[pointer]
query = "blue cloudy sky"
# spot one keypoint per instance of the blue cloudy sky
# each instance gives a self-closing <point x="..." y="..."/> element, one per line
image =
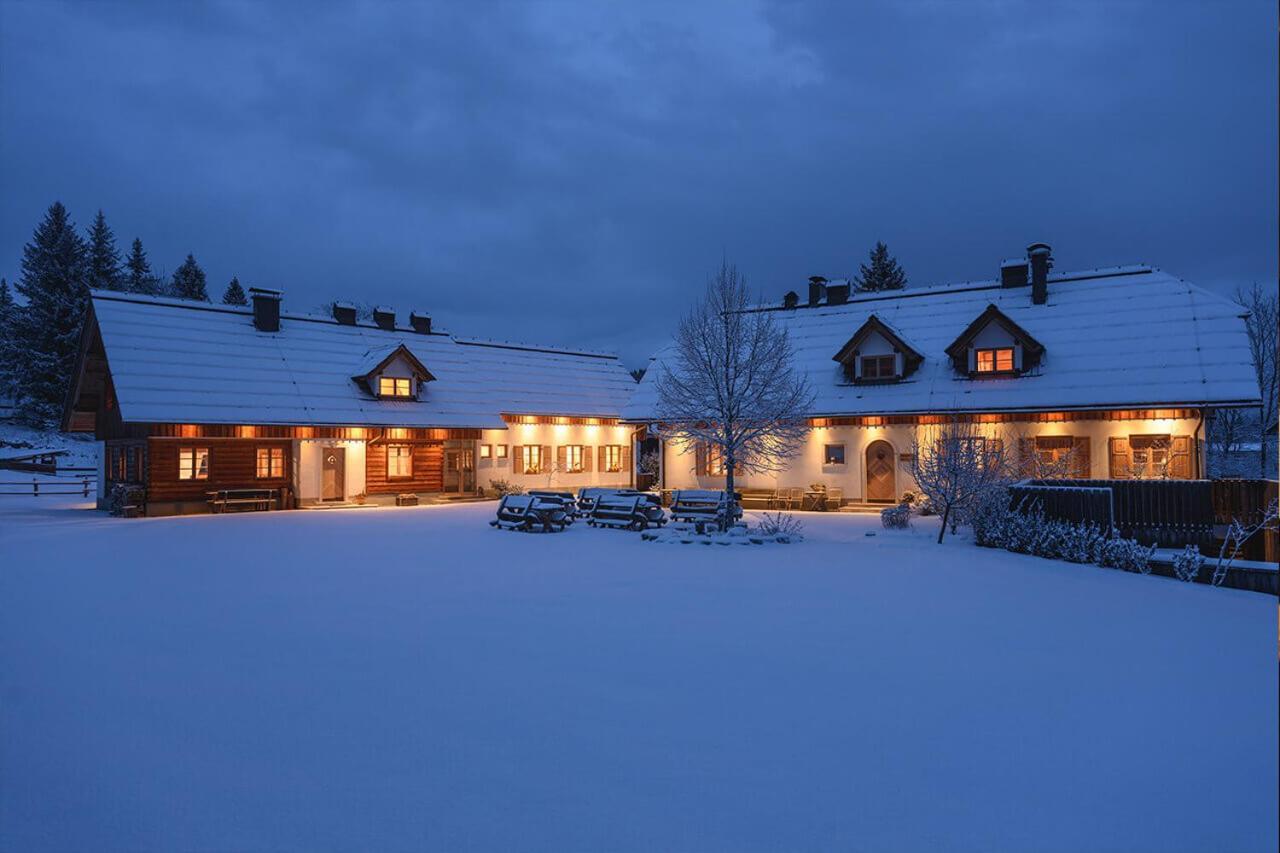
<point x="571" y="173"/>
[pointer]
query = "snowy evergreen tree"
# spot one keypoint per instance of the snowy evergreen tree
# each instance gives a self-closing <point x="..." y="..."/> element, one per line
<point x="883" y="273"/>
<point x="46" y="333"/>
<point x="104" y="260"/>
<point x="188" y="281"/>
<point x="8" y="312"/>
<point x="138" y="275"/>
<point x="234" y="294"/>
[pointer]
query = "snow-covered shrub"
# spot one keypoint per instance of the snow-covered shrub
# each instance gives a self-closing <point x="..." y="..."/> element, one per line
<point x="989" y="518"/>
<point x="1187" y="565"/>
<point x="896" y="517"/>
<point x="1081" y="543"/>
<point x="1127" y="554"/>
<point x="502" y="488"/>
<point x="782" y="526"/>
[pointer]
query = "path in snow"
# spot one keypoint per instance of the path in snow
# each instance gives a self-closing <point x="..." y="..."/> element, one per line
<point x="410" y="679"/>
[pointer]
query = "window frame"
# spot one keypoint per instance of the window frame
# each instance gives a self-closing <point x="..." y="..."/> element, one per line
<point x="995" y="369"/>
<point x="529" y="452"/>
<point x="716" y="466"/>
<point x="194" y="470"/>
<point x="405" y="457"/>
<point x="569" y="452"/>
<point x="273" y="471"/>
<point x="486" y="451"/>
<point x="500" y="451"/>
<point x="1150" y="469"/>
<point x="612" y="459"/>
<point x="879" y="361"/>
<point x="827" y="456"/>
<point x="397" y="382"/>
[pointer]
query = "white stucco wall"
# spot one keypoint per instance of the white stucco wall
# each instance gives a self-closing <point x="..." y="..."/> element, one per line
<point x="308" y="466"/>
<point x="591" y="437"/>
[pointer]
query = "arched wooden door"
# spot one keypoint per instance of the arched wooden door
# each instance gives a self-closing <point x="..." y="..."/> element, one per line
<point x="880" y="485"/>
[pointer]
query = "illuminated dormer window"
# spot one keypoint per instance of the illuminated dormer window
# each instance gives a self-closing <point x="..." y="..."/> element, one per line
<point x="395" y="387"/>
<point x="994" y="346"/>
<point x="999" y="360"/>
<point x="877" y="354"/>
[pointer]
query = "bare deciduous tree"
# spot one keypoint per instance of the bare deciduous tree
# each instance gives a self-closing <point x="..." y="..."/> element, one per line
<point x="1262" y="323"/>
<point x="731" y="384"/>
<point x="954" y="465"/>
<point x="1227" y="430"/>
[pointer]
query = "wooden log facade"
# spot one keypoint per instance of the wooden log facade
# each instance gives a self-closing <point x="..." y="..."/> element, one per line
<point x="425" y="464"/>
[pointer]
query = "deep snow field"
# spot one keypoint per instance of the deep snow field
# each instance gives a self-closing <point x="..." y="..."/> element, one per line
<point x="389" y="680"/>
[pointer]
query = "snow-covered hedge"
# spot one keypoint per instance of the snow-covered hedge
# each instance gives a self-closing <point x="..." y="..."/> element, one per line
<point x="1027" y="531"/>
<point x="896" y="517"/>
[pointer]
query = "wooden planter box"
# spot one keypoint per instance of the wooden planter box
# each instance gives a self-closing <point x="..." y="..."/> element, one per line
<point x="406" y="500"/>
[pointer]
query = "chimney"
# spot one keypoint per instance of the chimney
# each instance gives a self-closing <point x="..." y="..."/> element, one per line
<point x="817" y="289"/>
<point x="790" y="299"/>
<point x="1041" y="263"/>
<point x="385" y="318"/>
<point x="344" y="313"/>
<point x="837" y="294"/>
<point x="421" y="322"/>
<point x="266" y="309"/>
<point x="1013" y="272"/>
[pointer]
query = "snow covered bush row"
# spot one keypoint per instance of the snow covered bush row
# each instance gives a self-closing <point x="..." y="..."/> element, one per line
<point x="896" y="517"/>
<point x="502" y="488"/>
<point x="997" y="525"/>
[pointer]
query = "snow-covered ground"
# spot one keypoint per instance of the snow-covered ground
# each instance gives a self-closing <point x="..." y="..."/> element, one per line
<point x="412" y="680"/>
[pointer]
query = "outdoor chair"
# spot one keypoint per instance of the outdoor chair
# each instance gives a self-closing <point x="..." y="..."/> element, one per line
<point x="835" y="497"/>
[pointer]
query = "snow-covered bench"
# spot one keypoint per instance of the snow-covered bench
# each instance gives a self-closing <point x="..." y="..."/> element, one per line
<point x="530" y="513"/>
<point x="650" y="504"/>
<point x="618" y="510"/>
<point x="567" y="501"/>
<point x="253" y="499"/>
<point x="704" y="505"/>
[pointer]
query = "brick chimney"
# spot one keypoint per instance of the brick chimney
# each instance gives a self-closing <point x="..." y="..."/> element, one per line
<point x="838" y="294"/>
<point x="1041" y="263"/>
<point x="817" y="289"/>
<point x="385" y="318"/>
<point x="421" y="322"/>
<point x="266" y="309"/>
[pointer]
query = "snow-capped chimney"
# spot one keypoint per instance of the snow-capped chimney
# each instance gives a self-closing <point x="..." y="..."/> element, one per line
<point x="421" y="322"/>
<point x="790" y="299"/>
<point x="817" y="289"/>
<point x="344" y="313"/>
<point x="1013" y="272"/>
<point x="385" y="318"/>
<point x="1041" y="263"/>
<point x="266" y="309"/>
<point x="837" y="294"/>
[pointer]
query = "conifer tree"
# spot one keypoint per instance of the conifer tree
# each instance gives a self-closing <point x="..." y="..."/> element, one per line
<point x="883" y="273"/>
<point x="138" y="275"/>
<point x="188" y="281"/>
<point x="104" y="260"/>
<point x="46" y="332"/>
<point x="8" y="311"/>
<point x="234" y="294"/>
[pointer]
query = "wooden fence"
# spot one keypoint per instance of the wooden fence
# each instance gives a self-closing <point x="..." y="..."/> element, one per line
<point x="84" y="486"/>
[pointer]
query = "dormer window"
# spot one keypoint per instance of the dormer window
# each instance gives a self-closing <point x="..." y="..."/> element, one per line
<point x="395" y="387"/>
<point x="998" y="360"/>
<point x="877" y="354"/>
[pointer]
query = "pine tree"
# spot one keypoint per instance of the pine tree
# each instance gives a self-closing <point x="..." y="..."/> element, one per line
<point x="8" y="313"/>
<point x="139" y="278"/>
<point x="46" y="333"/>
<point x="104" y="260"/>
<point x="188" y="281"/>
<point x="884" y="273"/>
<point x="234" y="294"/>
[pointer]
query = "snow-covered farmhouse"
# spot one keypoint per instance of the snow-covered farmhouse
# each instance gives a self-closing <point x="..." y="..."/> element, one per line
<point x="206" y="405"/>
<point x="1106" y="373"/>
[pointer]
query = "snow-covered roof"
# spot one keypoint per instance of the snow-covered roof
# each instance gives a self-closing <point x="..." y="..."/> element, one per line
<point x="1114" y="338"/>
<point x="175" y="361"/>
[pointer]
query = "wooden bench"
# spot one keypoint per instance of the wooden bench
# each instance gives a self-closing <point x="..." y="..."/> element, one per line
<point x="701" y="506"/>
<point x="618" y="510"/>
<point x="650" y="503"/>
<point x="249" y="499"/>
<point x="760" y="498"/>
<point x="567" y="501"/>
<point x="530" y="513"/>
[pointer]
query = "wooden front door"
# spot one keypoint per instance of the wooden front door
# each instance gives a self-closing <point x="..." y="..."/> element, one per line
<point x="459" y="470"/>
<point x="333" y="482"/>
<point x="880" y="485"/>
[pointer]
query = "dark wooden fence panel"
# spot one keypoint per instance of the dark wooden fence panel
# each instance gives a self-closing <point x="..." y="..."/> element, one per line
<point x="1082" y="504"/>
<point x="1170" y="512"/>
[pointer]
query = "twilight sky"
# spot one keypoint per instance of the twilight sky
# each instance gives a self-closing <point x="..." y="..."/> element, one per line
<point x="571" y="173"/>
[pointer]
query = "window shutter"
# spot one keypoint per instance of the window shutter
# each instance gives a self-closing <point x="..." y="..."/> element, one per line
<point x="857" y="366"/>
<point x="700" y="459"/>
<point x="600" y="458"/>
<point x="1180" y="458"/>
<point x="517" y="459"/>
<point x="1026" y="457"/>
<point x="586" y="458"/>
<point x="562" y="457"/>
<point x="995" y="451"/>
<point x="626" y="459"/>
<point x="1081" y="465"/>
<point x="545" y="467"/>
<point x="973" y="360"/>
<point x="1119" y="461"/>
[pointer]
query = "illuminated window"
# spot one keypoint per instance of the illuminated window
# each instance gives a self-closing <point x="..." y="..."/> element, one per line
<point x="390" y="386"/>
<point x="486" y="451"/>
<point x="530" y="460"/>
<point x="271" y="462"/>
<point x="502" y="451"/>
<point x="715" y="460"/>
<point x="572" y="459"/>
<point x="193" y="463"/>
<point x="833" y="454"/>
<point x="1150" y="456"/>
<point x="612" y="458"/>
<point x="995" y="360"/>
<point x="399" y="460"/>
<point x="878" y="367"/>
